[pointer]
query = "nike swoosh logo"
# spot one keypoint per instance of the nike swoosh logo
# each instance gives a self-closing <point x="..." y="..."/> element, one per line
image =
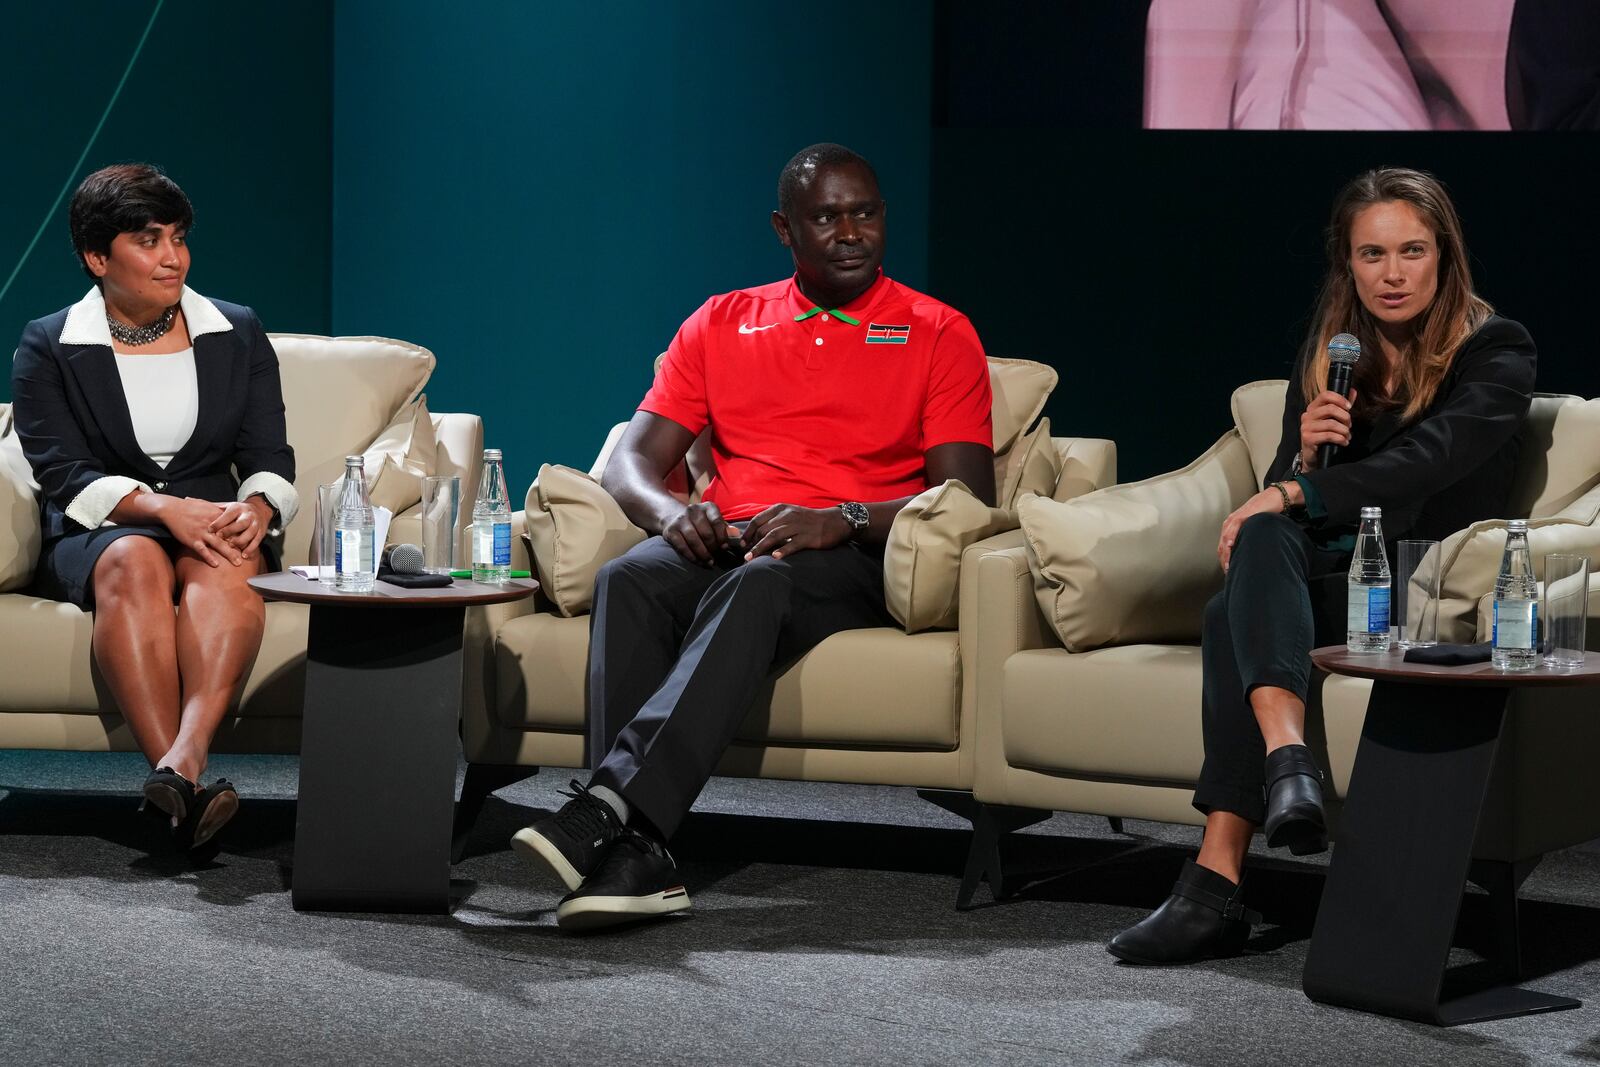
<point x="745" y="327"/>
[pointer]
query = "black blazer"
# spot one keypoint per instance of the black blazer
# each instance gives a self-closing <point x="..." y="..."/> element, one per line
<point x="1452" y="467"/>
<point x="72" y="417"/>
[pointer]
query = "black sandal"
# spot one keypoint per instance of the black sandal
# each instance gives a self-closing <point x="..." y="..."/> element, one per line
<point x="169" y="791"/>
<point x="213" y="807"/>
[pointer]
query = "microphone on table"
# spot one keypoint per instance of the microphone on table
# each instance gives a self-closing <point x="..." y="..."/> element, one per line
<point x="1343" y="351"/>
<point x="401" y="559"/>
<point x="402" y="565"/>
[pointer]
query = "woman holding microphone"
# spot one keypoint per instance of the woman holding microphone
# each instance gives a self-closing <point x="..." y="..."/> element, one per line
<point x="1429" y="433"/>
<point x="153" y="420"/>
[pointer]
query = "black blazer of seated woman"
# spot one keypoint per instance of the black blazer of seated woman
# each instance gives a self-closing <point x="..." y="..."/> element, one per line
<point x="73" y="420"/>
<point x="1430" y="433"/>
<point x="1449" y="468"/>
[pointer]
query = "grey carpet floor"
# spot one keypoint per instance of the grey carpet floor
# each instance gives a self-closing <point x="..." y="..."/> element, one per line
<point x="822" y="931"/>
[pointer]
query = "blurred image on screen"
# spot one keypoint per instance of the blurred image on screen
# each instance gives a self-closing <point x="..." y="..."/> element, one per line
<point x="1372" y="64"/>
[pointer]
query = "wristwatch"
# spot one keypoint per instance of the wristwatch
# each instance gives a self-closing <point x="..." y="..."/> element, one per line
<point x="856" y="515"/>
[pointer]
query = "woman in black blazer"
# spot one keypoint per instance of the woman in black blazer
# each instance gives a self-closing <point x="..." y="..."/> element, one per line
<point x="1429" y="433"/>
<point x="153" y="419"/>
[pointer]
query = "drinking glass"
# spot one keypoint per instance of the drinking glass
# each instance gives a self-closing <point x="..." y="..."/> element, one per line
<point x="1565" y="610"/>
<point x="441" y="508"/>
<point x="327" y="522"/>
<point x="1416" y="586"/>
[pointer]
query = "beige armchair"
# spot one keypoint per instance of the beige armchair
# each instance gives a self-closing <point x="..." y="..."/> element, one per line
<point x="342" y="395"/>
<point x="880" y="706"/>
<point x="1088" y="661"/>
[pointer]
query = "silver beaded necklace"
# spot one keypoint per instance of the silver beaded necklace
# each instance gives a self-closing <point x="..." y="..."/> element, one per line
<point x="143" y="335"/>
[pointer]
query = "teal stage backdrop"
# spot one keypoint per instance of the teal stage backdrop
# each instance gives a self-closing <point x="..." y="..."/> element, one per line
<point x="541" y="193"/>
<point x="233" y="100"/>
<point x="537" y="193"/>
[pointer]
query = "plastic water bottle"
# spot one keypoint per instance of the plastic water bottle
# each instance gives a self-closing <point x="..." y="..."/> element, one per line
<point x="354" y="556"/>
<point x="1516" y="604"/>
<point x="491" y="524"/>
<point x="1367" y="609"/>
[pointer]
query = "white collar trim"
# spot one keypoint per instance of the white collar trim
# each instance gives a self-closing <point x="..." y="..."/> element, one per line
<point x="86" y="320"/>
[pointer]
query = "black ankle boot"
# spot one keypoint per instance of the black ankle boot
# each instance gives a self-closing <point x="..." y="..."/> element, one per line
<point x="1294" y="802"/>
<point x="1202" y="920"/>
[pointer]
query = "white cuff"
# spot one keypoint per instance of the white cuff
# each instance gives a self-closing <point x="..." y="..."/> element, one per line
<point x="279" y="493"/>
<point x="93" y="505"/>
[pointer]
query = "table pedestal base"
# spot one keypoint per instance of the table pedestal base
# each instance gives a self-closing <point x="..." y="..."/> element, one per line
<point x="1388" y="914"/>
<point x="378" y="759"/>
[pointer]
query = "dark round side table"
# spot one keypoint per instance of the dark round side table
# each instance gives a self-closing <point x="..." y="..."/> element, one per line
<point x="378" y="741"/>
<point x="1404" y="851"/>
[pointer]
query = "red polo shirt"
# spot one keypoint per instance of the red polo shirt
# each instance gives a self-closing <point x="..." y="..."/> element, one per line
<point x="816" y="411"/>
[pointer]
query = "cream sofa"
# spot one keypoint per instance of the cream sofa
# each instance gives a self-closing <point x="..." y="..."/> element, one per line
<point x="342" y="395"/>
<point x="881" y="706"/>
<point x="1088" y="660"/>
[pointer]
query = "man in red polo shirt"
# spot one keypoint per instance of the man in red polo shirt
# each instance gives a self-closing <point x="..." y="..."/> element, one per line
<point x="833" y="398"/>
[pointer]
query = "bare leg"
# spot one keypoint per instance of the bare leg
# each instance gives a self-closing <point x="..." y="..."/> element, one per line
<point x="219" y="625"/>
<point x="135" y="639"/>
<point x="1281" y="716"/>
<point x="1226" y="841"/>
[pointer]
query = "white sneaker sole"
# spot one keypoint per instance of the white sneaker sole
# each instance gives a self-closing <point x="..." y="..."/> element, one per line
<point x="595" y="913"/>
<point x="538" y="851"/>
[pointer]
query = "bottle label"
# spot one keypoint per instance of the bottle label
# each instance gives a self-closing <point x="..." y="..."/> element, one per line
<point x="1367" y="609"/>
<point x="1516" y="624"/>
<point x="347" y="553"/>
<point x="491" y="544"/>
<point x="502" y="544"/>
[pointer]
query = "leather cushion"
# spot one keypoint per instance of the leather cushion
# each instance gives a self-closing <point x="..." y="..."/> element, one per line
<point x="340" y="392"/>
<point x="1019" y="388"/>
<point x="19" y="511"/>
<point x="1258" y="416"/>
<point x="1132" y="713"/>
<point x="922" y="559"/>
<point x="877" y="687"/>
<point x="1033" y="467"/>
<point x="574" y="528"/>
<point x="46" y="660"/>
<point x="1560" y="458"/>
<point x="1135" y="562"/>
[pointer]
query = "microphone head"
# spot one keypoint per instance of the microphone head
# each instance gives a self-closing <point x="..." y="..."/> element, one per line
<point x="1344" y="348"/>
<point x="405" y="559"/>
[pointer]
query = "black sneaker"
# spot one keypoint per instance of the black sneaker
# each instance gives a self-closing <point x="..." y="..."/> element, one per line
<point x="570" y="842"/>
<point x="636" y="880"/>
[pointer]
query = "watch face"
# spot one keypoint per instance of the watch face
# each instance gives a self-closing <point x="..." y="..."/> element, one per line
<point x="855" y="514"/>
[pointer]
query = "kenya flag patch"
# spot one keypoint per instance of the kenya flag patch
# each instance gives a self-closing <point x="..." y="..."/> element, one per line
<point x="879" y="334"/>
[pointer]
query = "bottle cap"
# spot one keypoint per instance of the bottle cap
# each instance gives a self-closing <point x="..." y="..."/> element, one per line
<point x="491" y="453"/>
<point x="1516" y="526"/>
<point x="354" y="461"/>
<point x="1372" y="513"/>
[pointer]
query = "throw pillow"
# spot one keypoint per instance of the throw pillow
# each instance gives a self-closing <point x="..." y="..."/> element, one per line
<point x="573" y="528"/>
<point x="1137" y="562"/>
<point x="19" y="512"/>
<point x="922" y="559"/>
<point x="1034" y="467"/>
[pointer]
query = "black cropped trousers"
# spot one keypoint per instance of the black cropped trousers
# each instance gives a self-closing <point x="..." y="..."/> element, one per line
<point x="678" y="654"/>
<point x="1283" y="596"/>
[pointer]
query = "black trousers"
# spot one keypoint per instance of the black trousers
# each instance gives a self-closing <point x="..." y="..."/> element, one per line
<point x="678" y="653"/>
<point x="1283" y="596"/>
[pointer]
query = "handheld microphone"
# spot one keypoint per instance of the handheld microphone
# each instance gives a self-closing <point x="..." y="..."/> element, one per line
<point x="402" y="565"/>
<point x="402" y="559"/>
<point x="1343" y="351"/>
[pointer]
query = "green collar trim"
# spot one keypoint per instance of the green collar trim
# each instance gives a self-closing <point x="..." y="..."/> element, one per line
<point x="835" y="312"/>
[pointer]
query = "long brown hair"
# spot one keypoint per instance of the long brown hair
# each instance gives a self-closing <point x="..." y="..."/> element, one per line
<point x="1456" y="310"/>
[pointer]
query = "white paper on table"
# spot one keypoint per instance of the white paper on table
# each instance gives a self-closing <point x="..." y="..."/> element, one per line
<point x="381" y="518"/>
